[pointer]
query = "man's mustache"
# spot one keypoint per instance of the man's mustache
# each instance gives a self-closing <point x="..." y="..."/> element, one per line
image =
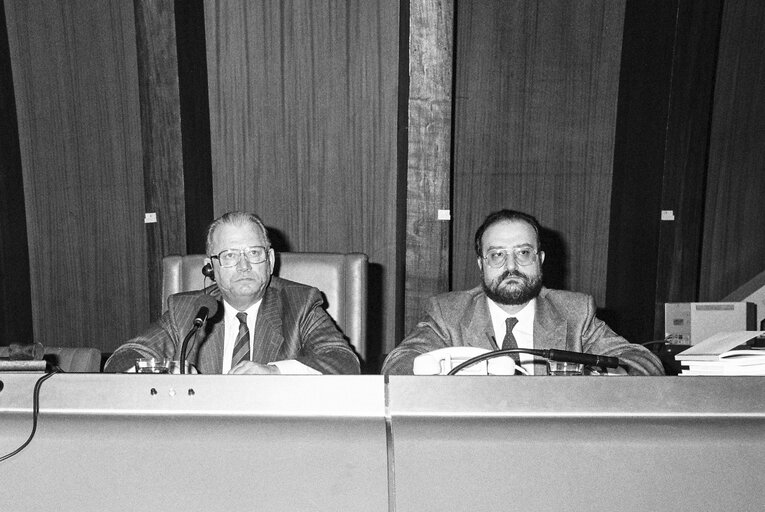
<point x="512" y="273"/>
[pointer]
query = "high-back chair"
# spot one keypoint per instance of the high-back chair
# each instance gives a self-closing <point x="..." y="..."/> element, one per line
<point x="70" y="359"/>
<point x="342" y="279"/>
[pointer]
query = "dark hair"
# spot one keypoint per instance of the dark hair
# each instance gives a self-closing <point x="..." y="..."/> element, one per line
<point x="506" y="215"/>
<point x="238" y="219"/>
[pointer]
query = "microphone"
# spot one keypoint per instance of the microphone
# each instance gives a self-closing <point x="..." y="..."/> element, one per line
<point x="207" y="304"/>
<point x="208" y="307"/>
<point x="566" y="356"/>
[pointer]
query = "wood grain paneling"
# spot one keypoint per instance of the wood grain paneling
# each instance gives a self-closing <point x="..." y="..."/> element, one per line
<point x="161" y="139"/>
<point x="733" y="248"/>
<point x="431" y="25"/>
<point x="303" y="99"/>
<point x="15" y="298"/>
<point x="535" y="115"/>
<point x="74" y="72"/>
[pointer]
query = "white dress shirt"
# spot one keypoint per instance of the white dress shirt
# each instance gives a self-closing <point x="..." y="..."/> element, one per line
<point x="523" y="330"/>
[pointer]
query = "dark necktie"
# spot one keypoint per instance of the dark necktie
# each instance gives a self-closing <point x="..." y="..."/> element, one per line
<point x="242" y="345"/>
<point x="509" y="341"/>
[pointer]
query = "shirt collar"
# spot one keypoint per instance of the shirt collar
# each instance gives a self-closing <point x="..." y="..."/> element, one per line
<point x="230" y="311"/>
<point x="524" y="316"/>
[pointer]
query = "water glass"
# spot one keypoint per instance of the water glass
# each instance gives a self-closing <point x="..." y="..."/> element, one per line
<point x="564" y="368"/>
<point x="152" y="365"/>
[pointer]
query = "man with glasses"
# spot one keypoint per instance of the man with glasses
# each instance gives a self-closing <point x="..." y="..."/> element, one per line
<point x="264" y="324"/>
<point x="511" y="308"/>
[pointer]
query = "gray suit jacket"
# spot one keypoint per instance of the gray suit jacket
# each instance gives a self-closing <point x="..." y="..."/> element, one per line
<point x="562" y="320"/>
<point x="291" y="324"/>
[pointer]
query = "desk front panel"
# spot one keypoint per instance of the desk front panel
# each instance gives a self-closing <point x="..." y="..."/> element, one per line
<point x="573" y="443"/>
<point x="121" y="442"/>
<point x="167" y="442"/>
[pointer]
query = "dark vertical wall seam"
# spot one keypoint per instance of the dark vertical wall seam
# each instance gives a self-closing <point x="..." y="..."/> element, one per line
<point x="402" y="159"/>
<point x="195" y="121"/>
<point x="641" y="130"/>
<point x="15" y="294"/>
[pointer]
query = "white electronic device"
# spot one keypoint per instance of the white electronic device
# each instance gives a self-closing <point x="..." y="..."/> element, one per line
<point x="690" y="323"/>
<point x="441" y="362"/>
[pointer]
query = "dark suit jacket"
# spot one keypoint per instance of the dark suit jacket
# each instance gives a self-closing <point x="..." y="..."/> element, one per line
<point x="562" y="320"/>
<point x="291" y="324"/>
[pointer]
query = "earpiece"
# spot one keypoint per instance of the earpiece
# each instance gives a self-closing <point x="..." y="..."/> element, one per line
<point x="208" y="271"/>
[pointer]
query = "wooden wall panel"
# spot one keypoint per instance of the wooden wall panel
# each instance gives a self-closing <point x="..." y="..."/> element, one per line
<point x="429" y="154"/>
<point x="161" y="139"/>
<point x="74" y="71"/>
<point x="535" y="115"/>
<point x="733" y="247"/>
<point x="303" y="99"/>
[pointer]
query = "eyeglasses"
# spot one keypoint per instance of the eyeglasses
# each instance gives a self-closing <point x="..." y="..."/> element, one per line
<point x="495" y="258"/>
<point x="230" y="257"/>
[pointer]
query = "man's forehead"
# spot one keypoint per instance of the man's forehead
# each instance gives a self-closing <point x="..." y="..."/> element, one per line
<point x="249" y="234"/>
<point x="517" y="232"/>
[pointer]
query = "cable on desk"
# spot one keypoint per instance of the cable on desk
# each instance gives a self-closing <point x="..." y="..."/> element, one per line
<point x="35" y="411"/>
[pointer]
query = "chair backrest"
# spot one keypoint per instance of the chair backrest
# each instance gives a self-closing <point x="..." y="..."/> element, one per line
<point x="70" y="359"/>
<point x="342" y="278"/>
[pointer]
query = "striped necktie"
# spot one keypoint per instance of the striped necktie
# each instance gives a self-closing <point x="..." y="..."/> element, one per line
<point x="242" y="345"/>
<point x="509" y="341"/>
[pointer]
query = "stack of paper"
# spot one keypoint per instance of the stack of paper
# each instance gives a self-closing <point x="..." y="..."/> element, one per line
<point x="725" y="353"/>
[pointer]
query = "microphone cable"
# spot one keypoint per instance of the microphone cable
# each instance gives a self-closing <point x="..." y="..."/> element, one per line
<point x="35" y="411"/>
<point x="490" y="355"/>
<point x="549" y="353"/>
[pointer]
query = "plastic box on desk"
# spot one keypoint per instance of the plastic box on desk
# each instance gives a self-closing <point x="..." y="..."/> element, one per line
<point x="688" y="323"/>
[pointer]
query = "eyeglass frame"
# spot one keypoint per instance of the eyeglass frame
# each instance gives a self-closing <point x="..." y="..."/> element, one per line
<point x="515" y="250"/>
<point x="266" y="249"/>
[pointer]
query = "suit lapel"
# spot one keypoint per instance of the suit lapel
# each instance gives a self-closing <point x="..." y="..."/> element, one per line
<point x="549" y="325"/>
<point x="477" y="328"/>
<point x="268" y="338"/>
<point x="210" y="357"/>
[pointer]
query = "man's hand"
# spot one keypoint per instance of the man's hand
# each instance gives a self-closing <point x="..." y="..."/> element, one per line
<point x="252" y="368"/>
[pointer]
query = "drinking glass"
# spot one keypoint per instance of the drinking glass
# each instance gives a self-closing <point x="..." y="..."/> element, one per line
<point x="152" y="365"/>
<point x="564" y="368"/>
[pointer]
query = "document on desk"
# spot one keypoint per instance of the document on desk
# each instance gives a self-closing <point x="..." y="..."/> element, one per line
<point x="725" y="353"/>
<point x="720" y="345"/>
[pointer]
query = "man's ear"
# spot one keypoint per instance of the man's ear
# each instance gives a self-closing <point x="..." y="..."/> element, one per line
<point x="480" y="264"/>
<point x="271" y="261"/>
<point x="541" y="257"/>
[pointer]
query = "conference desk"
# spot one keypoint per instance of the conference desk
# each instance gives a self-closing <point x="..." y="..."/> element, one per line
<point x="220" y="442"/>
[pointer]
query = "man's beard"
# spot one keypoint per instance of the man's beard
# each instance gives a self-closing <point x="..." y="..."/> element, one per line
<point x="516" y="293"/>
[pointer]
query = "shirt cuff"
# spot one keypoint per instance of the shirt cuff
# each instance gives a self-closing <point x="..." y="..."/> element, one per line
<point x="294" y="367"/>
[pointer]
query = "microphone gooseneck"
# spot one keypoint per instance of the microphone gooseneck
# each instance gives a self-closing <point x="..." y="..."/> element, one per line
<point x="566" y="356"/>
<point x="551" y="354"/>
<point x="208" y="307"/>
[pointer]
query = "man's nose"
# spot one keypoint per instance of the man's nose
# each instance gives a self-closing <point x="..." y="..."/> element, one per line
<point x="510" y="263"/>
<point x="243" y="263"/>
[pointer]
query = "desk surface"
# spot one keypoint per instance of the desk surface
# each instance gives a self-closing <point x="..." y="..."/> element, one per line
<point x="219" y="442"/>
